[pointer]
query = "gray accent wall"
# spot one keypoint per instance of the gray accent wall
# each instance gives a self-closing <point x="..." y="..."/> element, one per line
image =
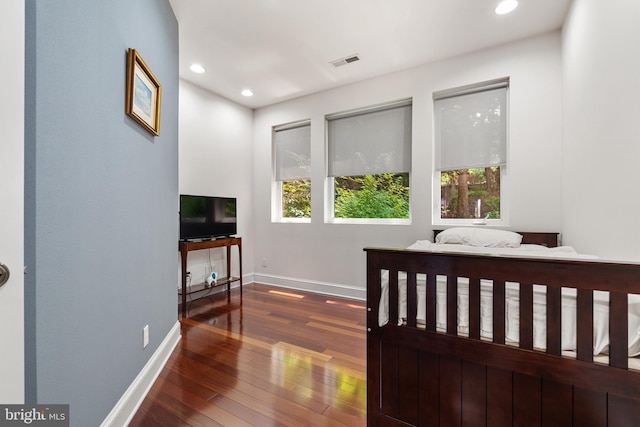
<point x="101" y="201"/>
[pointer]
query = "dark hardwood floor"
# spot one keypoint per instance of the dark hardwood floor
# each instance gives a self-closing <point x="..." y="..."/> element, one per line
<point x="276" y="357"/>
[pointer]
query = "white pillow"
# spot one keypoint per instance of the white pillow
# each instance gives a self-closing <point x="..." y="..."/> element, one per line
<point x="456" y="236"/>
<point x="482" y="237"/>
<point x="495" y="238"/>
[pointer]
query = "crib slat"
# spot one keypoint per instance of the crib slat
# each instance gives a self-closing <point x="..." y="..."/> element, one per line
<point x="526" y="316"/>
<point x="412" y="309"/>
<point x="452" y="305"/>
<point x="474" y="309"/>
<point x="554" y="316"/>
<point x="498" y="312"/>
<point x="393" y="297"/>
<point x="618" y="330"/>
<point x="584" y="320"/>
<point x="431" y="302"/>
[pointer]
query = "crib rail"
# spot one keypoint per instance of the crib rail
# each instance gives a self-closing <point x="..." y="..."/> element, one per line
<point x="399" y="353"/>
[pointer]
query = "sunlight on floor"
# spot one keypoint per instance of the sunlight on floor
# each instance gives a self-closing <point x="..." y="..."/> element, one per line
<point x="286" y="294"/>
<point x="359" y="307"/>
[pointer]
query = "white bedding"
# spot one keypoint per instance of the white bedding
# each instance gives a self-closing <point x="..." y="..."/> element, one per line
<point x="601" y="301"/>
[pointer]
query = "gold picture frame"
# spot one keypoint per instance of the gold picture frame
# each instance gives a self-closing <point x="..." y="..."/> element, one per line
<point x="144" y="94"/>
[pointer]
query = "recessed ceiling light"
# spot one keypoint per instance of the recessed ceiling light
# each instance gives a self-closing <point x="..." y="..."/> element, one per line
<point x="197" y="68"/>
<point x="506" y="6"/>
<point x="247" y="92"/>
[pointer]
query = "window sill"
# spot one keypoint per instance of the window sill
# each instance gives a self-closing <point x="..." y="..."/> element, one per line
<point x="292" y="221"/>
<point x="370" y="221"/>
<point x="471" y="222"/>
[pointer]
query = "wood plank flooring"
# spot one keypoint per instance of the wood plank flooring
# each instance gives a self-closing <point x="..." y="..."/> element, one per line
<point x="273" y="357"/>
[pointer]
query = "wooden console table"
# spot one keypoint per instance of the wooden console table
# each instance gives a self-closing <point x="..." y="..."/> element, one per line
<point x="186" y="246"/>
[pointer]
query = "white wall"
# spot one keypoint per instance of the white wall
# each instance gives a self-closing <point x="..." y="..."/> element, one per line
<point x="215" y="159"/>
<point x="573" y="103"/>
<point x="329" y="257"/>
<point x="601" y="82"/>
<point x="12" y="307"/>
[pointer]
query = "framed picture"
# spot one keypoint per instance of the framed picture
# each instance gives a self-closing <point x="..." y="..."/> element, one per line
<point x="144" y="94"/>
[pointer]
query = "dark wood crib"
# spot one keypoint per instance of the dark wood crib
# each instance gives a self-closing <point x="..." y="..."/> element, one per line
<point x="418" y="375"/>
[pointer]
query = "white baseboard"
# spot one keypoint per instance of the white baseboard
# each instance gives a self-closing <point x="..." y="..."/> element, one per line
<point x="126" y="408"/>
<point x="324" y="288"/>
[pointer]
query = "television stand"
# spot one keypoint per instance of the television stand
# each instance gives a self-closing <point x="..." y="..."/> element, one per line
<point x="186" y="246"/>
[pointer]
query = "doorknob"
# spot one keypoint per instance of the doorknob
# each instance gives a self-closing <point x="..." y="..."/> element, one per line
<point x="4" y="274"/>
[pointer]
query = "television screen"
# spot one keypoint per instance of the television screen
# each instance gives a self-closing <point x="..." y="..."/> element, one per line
<point x="204" y="217"/>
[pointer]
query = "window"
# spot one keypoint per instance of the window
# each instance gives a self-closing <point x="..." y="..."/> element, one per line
<point x="369" y="160"/>
<point x="292" y="159"/>
<point x="471" y="152"/>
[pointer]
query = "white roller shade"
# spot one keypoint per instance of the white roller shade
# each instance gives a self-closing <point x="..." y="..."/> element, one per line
<point x="471" y="129"/>
<point x="292" y="148"/>
<point x="370" y="142"/>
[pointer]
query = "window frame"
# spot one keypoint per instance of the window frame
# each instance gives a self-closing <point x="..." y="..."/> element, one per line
<point x="276" y="185"/>
<point x="329" y="187"/>
<point x="504" y="180"/>
<point x="504" y="211"/>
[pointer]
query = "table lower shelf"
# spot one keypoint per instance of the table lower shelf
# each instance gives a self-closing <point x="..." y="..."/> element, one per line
<point x="201" y="287"/>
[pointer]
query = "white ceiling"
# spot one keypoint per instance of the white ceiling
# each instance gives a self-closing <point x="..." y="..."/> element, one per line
<point x="282" y="49"/>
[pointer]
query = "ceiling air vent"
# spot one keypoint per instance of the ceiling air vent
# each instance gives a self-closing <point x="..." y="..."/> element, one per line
<point x="344" y="61"/>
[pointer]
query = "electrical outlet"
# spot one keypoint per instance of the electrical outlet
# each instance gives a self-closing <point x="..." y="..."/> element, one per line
<point x="145" y="336"/>
<point x="264" y="262"/>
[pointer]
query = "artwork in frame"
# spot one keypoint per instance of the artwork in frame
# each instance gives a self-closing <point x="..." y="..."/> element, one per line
<point x="144" y="94"/>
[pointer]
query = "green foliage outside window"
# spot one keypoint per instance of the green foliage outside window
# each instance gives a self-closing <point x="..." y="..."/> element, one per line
<point x="369" y="196"/>
<point x="372" y="196"/>
<point x="296" y="199"/>
<point x="470" y="193"/>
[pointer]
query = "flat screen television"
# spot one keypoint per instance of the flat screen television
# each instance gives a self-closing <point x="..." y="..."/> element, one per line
<point x="205" y="217"/>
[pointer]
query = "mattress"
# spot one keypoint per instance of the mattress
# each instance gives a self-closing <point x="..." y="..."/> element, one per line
<point x="512" y="309"/>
